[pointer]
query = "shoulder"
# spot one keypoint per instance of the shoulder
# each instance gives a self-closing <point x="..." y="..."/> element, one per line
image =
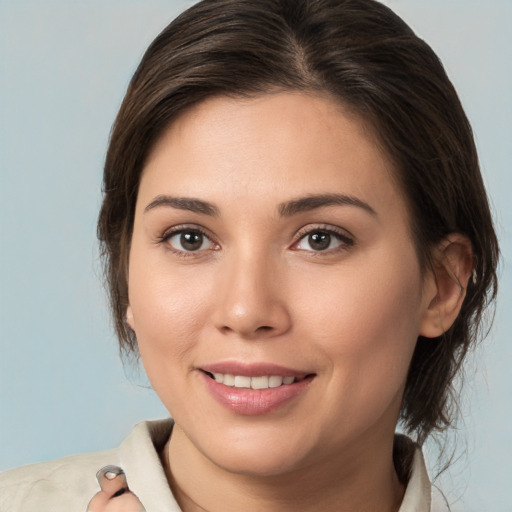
<point x="68" y="484"/>
<point x="61" y="485"/>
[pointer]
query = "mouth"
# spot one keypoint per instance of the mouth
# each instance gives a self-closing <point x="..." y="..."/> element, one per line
<point x="256" y="382"/>
<point x="254" y="388"/>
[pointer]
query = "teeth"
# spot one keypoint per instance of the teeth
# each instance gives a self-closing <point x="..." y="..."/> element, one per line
<point x="242" y="381"/>
<point x="259" y="382"/>
<point x="229" y="380"/>
<point x="275" y="381"/>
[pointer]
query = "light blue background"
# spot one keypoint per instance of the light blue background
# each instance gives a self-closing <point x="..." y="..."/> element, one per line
<point x="64" y="68"/>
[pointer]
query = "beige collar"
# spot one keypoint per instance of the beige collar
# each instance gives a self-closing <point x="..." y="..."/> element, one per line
<point x="146" y="478"/>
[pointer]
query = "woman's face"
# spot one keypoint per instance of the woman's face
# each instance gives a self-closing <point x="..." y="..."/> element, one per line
<point x="271" y="244"/>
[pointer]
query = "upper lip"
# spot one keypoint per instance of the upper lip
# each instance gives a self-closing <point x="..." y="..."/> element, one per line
<point x="253" y="369"/>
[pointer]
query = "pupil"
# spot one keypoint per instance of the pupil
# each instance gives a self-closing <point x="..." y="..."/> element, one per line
<point x="191" y="241"/>
<point x="320" y="241"/>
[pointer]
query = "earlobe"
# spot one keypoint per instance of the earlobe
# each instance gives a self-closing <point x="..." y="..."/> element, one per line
<point x="446" y="285"/>
<point x="129" y="317"/>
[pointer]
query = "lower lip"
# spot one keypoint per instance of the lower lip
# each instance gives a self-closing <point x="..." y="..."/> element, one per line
<point x="253" y="402"/>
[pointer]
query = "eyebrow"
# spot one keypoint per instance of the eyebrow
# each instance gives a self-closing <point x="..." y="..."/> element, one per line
<point x="183" y="203"/>
<point x="305" y="204"/>
<point x="287" y="209"/>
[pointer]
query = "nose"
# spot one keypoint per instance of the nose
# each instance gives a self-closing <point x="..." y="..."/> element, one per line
<point x="252" y="301"/>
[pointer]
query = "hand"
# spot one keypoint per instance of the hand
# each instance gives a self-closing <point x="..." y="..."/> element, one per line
<point x="114" y="495"/>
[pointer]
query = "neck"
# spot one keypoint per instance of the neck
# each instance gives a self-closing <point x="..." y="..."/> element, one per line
<point x="364" y="480"/>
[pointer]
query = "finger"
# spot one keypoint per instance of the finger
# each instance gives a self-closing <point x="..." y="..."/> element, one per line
<point x="124" y="501"/>
<point x="98" y="503"/>
<point x="112" y="480"/>
<point x="127" y="502"/>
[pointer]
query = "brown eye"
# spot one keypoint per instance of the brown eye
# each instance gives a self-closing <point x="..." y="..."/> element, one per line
<point x="189" y="240"/>
<point x="319" y="241"/>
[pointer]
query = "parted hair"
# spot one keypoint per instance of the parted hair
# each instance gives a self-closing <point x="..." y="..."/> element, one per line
<point x="364" y="56"/>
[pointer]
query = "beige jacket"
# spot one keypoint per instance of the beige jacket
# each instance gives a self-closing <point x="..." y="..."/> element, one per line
<point x="69" y="484"/>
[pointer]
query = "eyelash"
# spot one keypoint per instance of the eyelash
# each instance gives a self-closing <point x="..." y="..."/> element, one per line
<point x="177" y="230"/>
<point x="345" y="240"/>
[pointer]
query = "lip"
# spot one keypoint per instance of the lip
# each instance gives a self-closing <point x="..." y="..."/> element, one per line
<point x="253" y="402"/>
<point x="253" y="369"/>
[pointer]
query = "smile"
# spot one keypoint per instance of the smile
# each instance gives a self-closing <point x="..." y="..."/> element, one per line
<point x="259" y="382"/>
<point x="254" y="389"/>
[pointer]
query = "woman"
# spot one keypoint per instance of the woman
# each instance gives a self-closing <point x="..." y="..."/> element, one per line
<point x="298" y="244"/>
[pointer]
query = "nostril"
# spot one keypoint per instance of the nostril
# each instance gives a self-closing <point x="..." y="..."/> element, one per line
<point x="264" y="328"/>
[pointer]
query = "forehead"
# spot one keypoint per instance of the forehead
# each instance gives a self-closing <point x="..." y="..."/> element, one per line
<point x="274" y="146"/>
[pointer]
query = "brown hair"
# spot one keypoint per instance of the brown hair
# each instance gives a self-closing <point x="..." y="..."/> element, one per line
<point x="366" y="57"/>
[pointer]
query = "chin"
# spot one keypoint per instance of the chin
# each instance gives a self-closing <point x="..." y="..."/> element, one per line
<point x="257" y="452"/>
<point x="259" y="462"/>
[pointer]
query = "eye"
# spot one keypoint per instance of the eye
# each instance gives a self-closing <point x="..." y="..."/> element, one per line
<point x="318" y="240"/>
<point x="189" y="240"/>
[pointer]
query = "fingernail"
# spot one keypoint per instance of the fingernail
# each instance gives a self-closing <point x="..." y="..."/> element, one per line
<point x="110" y="472"/>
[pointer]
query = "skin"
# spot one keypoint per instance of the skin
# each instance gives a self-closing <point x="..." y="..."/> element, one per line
<point x="114" y="495"/>
<point x="257" y="291"/>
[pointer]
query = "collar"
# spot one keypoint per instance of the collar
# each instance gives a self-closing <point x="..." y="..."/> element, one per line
<point x="140" y="461"/>
<point x="417" y="497"/>
<point x="146" y="478"/>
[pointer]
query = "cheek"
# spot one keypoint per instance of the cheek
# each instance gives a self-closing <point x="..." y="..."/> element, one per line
<point x="365" y="323"/>
<point x="374" y="294"/>
<point x="169" y="311"/>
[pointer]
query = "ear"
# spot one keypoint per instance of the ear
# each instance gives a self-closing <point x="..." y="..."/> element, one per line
<point x="446" y="284"/>
<point x="129" y="318"/>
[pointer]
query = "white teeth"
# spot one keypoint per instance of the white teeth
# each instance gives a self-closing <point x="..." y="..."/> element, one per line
<point x="229" y="380"/>
<point x="242" y="381"/>
<point x="275" y="381"/>
<point x="259" y="382"/>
